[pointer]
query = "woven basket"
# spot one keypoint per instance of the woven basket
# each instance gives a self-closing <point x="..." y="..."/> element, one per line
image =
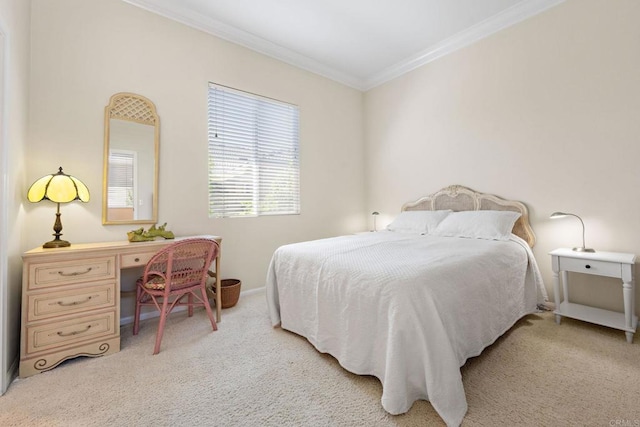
<point x="230" y="292"/>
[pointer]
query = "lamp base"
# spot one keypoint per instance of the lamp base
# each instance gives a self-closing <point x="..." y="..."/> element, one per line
<point x="56" y="243"/>
<point x="57" y="227"/>
<point x="584" y="249"/>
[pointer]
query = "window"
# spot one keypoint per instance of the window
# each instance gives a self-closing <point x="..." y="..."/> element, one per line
<point x="122" y="177"/>
<point x="253" y="155"/>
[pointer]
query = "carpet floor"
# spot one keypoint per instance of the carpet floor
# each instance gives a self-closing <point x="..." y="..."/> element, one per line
<point x="250" y="374"/>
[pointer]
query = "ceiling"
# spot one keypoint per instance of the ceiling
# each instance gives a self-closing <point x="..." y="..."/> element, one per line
<point x="360" y="43"/>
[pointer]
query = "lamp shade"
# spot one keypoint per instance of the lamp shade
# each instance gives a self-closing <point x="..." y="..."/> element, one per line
<point x="59" y="188"/>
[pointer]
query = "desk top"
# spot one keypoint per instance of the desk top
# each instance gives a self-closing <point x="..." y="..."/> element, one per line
<point x="120" y="246"/>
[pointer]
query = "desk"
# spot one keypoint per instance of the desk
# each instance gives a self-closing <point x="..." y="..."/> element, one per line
<point x="71" y="300"/>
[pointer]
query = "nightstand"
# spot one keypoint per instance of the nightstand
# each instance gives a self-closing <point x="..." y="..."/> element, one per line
<point x="606" y="264"/>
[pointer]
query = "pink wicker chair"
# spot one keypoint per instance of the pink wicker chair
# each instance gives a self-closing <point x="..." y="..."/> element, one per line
<point x="175" y="272"/>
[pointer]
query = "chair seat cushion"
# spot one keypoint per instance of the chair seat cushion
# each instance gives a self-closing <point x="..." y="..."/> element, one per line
<point x="187" y="278"/>
<point x="155" y="282"/>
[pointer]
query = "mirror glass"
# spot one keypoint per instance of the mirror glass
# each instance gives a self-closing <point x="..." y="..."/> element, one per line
<point x="130" y="178"/>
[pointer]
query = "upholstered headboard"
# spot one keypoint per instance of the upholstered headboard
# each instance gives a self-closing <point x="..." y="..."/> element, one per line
<point x="459" y="198"/>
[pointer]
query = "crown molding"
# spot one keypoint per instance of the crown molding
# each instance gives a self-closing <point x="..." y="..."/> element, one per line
<point x="248" y="40"/>
<point x="507" y="18"/>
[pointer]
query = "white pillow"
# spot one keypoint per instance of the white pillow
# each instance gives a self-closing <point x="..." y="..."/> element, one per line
<point x="417" y="221"/>
<point x="491" y="225"/>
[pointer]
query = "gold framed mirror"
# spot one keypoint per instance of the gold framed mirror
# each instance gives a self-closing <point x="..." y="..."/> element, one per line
<point x="131" y="160"/>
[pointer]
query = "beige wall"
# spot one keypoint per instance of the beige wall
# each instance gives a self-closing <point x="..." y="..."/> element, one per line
<point x="86" y="50"/>
<point x="14" y="95"/>
<point x="547" y="112"/>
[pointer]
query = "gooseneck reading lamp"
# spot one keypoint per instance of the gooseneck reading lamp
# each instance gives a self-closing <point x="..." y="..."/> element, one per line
<point x="58" y="188"/>
<point x="562" y="215"/>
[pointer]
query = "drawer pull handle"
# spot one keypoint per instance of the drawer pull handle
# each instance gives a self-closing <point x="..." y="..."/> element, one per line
<point x="137" y="260"/>
<point x="69" y="304"/>
<point x="69" y="334"/>
<point x="75" y="273"/>
<point x="587" y="266"/>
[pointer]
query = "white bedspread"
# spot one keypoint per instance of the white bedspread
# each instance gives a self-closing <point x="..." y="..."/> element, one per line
<point x="408" y="309"/>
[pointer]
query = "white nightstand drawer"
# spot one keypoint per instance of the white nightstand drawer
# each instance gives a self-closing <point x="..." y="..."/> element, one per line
<point x="600" y="268"/>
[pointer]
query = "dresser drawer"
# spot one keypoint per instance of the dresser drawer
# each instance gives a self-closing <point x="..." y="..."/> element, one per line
<point x="136" y="260"/>
<point x="42" y="306"/>
<point x="600" y="268"/>
<point x="69" y="332"/>
<point x="43" y="275"/>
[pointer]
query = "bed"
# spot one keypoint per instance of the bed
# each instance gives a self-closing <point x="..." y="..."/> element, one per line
<point x="411" y="304"/>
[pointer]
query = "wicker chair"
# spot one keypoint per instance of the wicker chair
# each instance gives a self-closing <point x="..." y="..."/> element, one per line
<point x="175" y="272"/>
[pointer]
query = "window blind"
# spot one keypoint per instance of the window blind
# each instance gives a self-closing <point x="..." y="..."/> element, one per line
<point x="121" y="176"/>
<point x="253" y="155"/>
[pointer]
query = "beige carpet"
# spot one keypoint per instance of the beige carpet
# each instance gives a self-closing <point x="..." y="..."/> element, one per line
<point x="249" y="374"/>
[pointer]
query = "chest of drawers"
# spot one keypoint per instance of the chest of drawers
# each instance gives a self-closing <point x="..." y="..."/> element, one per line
<point x="70" y="308"/>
